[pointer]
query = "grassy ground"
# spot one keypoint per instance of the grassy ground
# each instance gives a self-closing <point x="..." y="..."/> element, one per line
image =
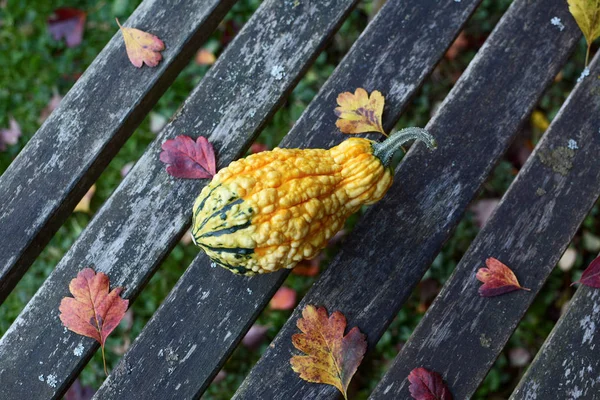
<point x="32" y="59"/>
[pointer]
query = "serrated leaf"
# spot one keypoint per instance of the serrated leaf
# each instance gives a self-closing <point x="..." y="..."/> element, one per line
<point x="189" y="159"/>
<point x="497" y="279"/>
<point x="359" y="112"/>
<point x="591" y="275"/>
<point x="332" y="358"/>
<point x="587" y="16"/>
<point x="142" y="47"/>
<point x="427" y="385"/>
<point x="93" y="311"/>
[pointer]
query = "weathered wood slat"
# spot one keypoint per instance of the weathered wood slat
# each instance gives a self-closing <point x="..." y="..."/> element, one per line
<point x="398" y="238"/>
<point x="567" y="365"/>
<point x="462" y="334"/>
<point x="67" y="154"/>
<point x="210" y="309"/>
<point x="149" y="211"/>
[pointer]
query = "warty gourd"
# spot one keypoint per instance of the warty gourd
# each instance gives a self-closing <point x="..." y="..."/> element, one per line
<point x="273" y="209"/>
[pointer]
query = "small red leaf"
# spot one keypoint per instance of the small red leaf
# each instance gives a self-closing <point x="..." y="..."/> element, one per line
<point x="497" y="279"/>
<point x="189" y="159"/>
<point x="591" y="275"/>
<point x="67" y="23"/>
<point x="284" y="299"/>
<point x="427" y="385"/>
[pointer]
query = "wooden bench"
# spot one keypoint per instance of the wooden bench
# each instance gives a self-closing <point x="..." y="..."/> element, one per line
<point x="183" y="347"/>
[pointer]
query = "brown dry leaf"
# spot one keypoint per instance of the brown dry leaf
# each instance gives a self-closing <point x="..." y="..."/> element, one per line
<point x="359" y="112"/>
<point x="587" y="16"/>
<point x="142" y="47"/>
<point x="332" y="358"/>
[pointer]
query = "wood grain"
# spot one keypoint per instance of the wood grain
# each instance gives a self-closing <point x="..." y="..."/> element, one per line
<point x="398" y="238"/>
<point x="209" y="311"/>
<point x="147" y="214"/>
<point x="567" y="365"/>
<point x="462" y="334"/>
<point x="64" y="158"/>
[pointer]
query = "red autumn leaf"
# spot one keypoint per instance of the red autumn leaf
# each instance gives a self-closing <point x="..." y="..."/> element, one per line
<point x="93" y="311"/>
<point x="255" y="336"/>
<point x="284" y="299"/>
<point x="427" y="385"/>
<point x="67" y="23"/>
<point x="189" y="159"/>
<point x="497" y="279"/>
<point x="591" y="275"/>
<point x="331" y="357"/>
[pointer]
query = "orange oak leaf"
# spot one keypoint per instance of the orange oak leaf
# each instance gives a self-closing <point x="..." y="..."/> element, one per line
<point x="427" y="385"/>
<point x="359" y="113"/>
<point x="142" y="47"/>
<point x="332" y="358"/>
<point x="591" y="275"/>
<point x="497" y="279"/>
<point x="189" y="159"/>
<point x="93" y="311"/>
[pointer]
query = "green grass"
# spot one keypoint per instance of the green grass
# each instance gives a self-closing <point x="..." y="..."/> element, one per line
<point x="35" y="67"/>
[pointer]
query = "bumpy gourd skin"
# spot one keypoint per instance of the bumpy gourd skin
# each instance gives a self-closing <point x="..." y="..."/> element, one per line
<point x="272" y="209"/>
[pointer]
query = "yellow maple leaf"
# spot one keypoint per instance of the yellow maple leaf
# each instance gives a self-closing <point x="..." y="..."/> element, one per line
<point x="359" y="112"/>
<point x="142" y="47"/>
<point x="587" y="16"/>
<point x="84" y="203"/>
<point x="332" y="358"/>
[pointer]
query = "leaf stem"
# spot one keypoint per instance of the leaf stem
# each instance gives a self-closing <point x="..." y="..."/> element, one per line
<point x="104" y="360"/>
<point x="587" y="55"/>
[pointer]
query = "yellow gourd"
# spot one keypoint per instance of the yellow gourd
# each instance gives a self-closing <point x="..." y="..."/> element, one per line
<point x="272" y="209"/>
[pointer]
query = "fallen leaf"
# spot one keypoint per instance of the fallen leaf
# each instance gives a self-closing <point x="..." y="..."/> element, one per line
<point x="457" y="46"/>
<point x="539" y="120"/>
<point x="591" y="275"/>
<point x="359" y="112"/>
<point x="308" y="267"/>
<point x="93" y="311"/>
<point x="519" y="357"/>
<point x="255" y="336"/>
<point x="568" y="259"/>
<point x="68" y="24"/>
<point x="11" y="135"/>
<point x="332" y="358"/>
<point x="51" y="106"/>
<point x="189" y="159"/>
<point x="221" y="375"/>
<point x="427" y="385"/>
<point x="483" y="209"/>
<point x="84" y="203"/>
<point x="205" y="57"/>
<point x="284" y="299"/>
<point x="126" y="168"/>
<point x="79" y="392"/>
<point x="142" y="47"/>
<point x="587" y="16"/>
<point x="157" y="122"/>
<point x="258" y="148"/>
<point x="497" y="279"/>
